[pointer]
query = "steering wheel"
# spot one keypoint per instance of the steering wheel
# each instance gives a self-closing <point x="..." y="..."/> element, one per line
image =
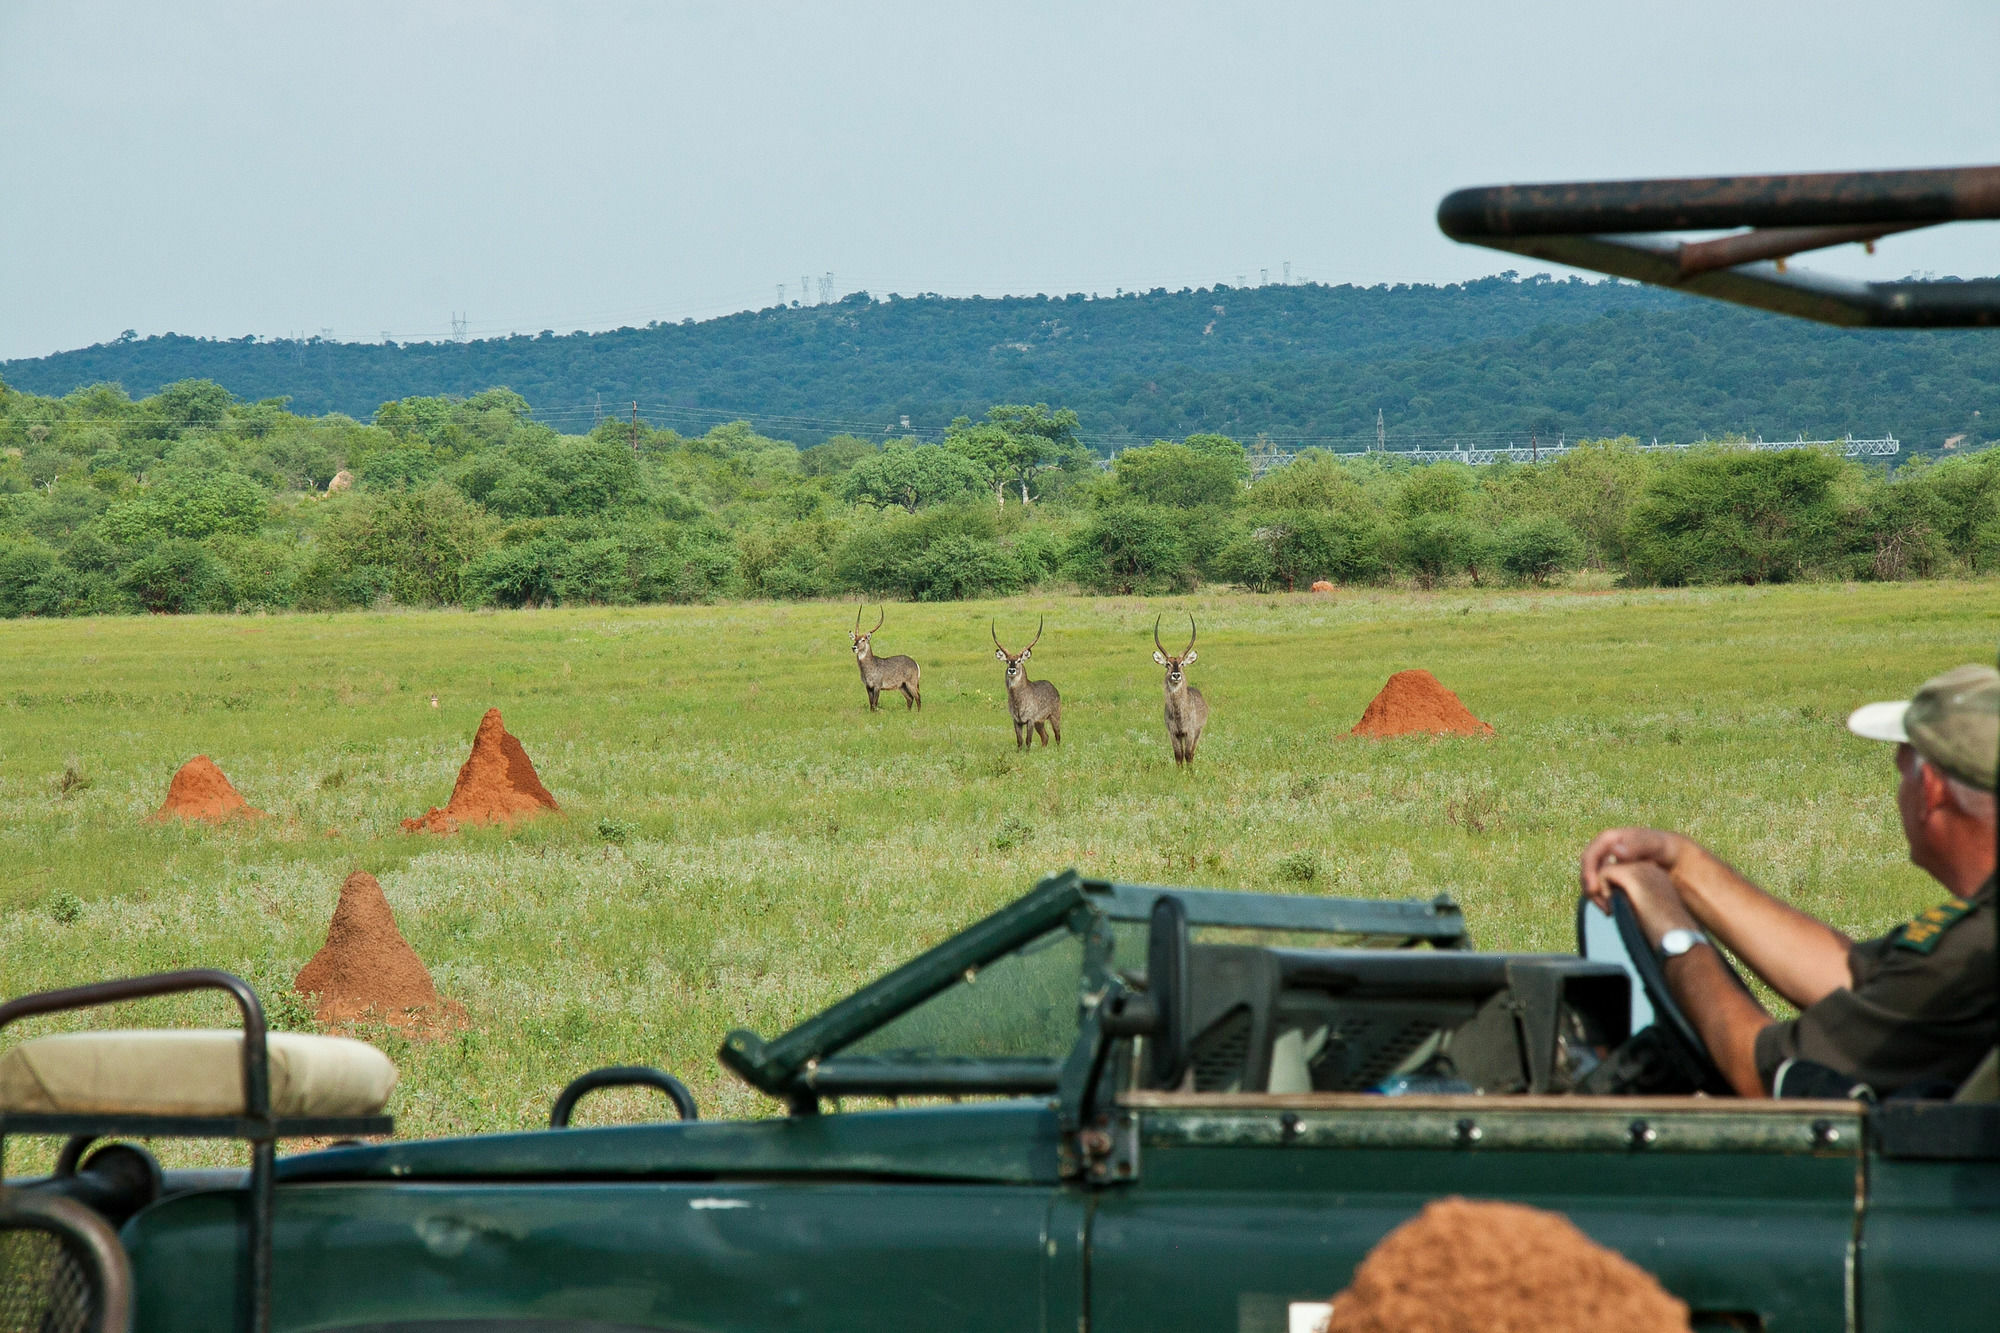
<point x="1671" y="1025"/>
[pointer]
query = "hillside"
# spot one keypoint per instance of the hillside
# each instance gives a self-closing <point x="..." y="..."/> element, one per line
<point x="1493" y="356"/>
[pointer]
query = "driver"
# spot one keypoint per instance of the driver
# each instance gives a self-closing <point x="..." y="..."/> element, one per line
<point x="1913" y="1011"/>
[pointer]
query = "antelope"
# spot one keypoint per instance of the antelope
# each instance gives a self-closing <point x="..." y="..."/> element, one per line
<point x="886" y="673"/>
<point x="1033" y="704"/>
<point x="1187" y="711"/>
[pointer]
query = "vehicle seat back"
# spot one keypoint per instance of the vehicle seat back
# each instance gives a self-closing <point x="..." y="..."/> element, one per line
<point x="1983" y="1083"/>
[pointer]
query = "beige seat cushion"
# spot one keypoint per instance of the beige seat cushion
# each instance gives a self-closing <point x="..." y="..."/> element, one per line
<point x="180" y="1072"/>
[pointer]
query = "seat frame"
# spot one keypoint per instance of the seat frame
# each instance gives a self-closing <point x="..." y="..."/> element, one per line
<point x="256" y="1126"/>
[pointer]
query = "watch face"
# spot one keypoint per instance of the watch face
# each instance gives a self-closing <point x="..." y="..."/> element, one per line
<point x="1678" y="941"/>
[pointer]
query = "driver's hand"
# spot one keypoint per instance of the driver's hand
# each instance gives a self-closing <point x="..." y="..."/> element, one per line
<point x="1655" y="900"/>
<point x="1621" y="846"/>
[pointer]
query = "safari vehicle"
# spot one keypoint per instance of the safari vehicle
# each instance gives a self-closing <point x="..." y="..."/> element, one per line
<point x="1105" y="1107"/>
<point x="1110" y="1107"/>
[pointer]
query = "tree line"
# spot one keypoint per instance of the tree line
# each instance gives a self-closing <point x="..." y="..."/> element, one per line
<point x="1500" y="354"/>
<point x="194" y="500"/>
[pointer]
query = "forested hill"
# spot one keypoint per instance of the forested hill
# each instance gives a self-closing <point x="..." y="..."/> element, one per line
<point x="1288" y="362"/>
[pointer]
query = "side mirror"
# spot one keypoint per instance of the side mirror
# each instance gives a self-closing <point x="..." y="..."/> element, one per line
<point x="1160" y="1012"/>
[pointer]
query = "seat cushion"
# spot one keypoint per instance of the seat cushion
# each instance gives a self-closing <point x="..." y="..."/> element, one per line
<point x="182" y="1072"/>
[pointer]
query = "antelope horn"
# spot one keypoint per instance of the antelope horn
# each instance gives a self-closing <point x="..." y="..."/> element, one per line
<point x="1190" y="648"/>
<point x="1038" y="633"/>
<point x="993" y="628"/>
<point x="1156" y="637"/>
<point x="857" y="618"/>
<point x="878" y="619"/>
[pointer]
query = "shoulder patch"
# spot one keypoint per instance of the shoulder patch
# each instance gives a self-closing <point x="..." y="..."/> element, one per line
<point x="1921" y="933"/>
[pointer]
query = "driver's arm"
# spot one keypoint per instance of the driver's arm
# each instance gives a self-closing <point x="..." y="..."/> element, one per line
<point x="1725" y="1015"/>
<point x="1801" y="958"/>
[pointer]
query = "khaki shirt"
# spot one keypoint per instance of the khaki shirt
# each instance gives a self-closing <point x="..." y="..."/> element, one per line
<point x="1922" y="1004"/>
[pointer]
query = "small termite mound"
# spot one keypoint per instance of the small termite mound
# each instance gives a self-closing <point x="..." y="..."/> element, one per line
<point x="1414" y="703"/>
<point x="366" y="971"/>
<point x="1461" y="1265"/>
<point x="201" y="792"/>
<point x="497" y="785"/>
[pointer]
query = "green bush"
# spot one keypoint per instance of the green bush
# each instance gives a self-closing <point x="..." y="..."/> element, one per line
<point x="1131" y="548"/>
<point x="176" y="577"/>
<point x="32" y="583"/>
<point x="959" y="566"/>
<point x="1539" y="548"/>
<point x="425" y="540"/>
<point x="188" y="506"/>
<point x="1436" y="546"/>
<point x="1722" y="517"/>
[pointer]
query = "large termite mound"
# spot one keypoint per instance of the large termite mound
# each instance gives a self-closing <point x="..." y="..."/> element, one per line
<point x="366" y="969"/>
<point x="1414" y="703"/>
<point x="1466" y="1267"/>
<point x="497" y="785"/>
<point x="201" y="791"/>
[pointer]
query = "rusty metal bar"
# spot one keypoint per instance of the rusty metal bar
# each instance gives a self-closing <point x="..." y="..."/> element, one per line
<point x="1778" y="243"/>
<point x="1614" y="227"/>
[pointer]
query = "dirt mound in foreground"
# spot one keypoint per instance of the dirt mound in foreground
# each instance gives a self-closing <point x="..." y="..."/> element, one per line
<point x="497" y="785"/>
<point x="201" y="791"/>
<point x="1414" y="703"/>
<point x="1466" y="1267"/>
<point x="366" y="969"/>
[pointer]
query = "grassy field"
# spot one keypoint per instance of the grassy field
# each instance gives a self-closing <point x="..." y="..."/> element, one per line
<point x="743" y="842"/>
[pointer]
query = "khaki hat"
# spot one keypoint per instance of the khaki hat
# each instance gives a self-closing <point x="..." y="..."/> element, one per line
<point x="1953" y="720"/>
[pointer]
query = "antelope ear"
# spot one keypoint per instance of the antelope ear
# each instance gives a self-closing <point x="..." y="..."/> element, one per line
<point x="1189" y="659"/>
<point x="1000" y="653"/>
<point x="1025" y="652"/>
<point x="1159" y="657"/>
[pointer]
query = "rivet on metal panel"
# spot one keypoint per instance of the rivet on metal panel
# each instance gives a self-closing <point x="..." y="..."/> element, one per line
<point x="1643" y="1135"/>
<point x="1291" y="1126"/>
<point x="1825" y="1133"/>
<point x="1467" y="1132"/>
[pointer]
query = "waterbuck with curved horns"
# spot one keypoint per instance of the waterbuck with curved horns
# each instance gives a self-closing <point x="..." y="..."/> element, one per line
<point x="1033" y="704"/>
<point x="886" y="673"/>
<point x="1187" y="711"/>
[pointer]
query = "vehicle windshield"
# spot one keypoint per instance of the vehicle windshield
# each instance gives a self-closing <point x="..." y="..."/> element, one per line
<point x="1024" y="1005"/>
<point x="1021" y="1006"/>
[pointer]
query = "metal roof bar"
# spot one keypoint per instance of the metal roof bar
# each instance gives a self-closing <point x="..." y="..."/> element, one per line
<point x="1612" y="227"/>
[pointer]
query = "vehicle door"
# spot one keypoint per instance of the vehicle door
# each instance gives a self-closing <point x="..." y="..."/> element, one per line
<point x="1247" y="1211"/>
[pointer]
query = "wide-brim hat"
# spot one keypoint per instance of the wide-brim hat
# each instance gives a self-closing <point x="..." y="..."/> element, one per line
<point x="1953" y="720"/>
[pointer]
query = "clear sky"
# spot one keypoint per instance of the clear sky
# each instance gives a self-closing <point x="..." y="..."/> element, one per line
<point x="259" y="168"/>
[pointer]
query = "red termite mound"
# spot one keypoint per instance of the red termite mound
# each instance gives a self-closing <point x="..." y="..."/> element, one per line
<point x="1413" y="703"/>
<point x="201" y="791"/>
<point x="497" y="785"/>
<point x="1466" y="1267"/>
<point x="366" y="969"/>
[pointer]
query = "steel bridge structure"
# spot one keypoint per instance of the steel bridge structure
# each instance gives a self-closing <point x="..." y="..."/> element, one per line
<point x="1478" y="455"/>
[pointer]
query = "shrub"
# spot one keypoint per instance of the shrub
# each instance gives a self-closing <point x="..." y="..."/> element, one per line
<point x="177" y="577"/>
<point x="1537" y="549"/>
<point x="959" y="566"/>
<point x="523" y="575"/>
<point x="190" y="506"/>
<point x="1437" y="546"/>
<point x="31" y="582"/>
<point x="1130" y="548"/>
<point x="425" y="540"/>
<point x="1721" y="517"/>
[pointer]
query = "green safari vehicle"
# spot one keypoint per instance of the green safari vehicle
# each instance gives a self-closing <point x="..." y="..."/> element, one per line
<point x="1110" y="1108"/>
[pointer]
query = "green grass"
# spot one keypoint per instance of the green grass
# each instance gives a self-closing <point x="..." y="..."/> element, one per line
<point x="743" y="842"/>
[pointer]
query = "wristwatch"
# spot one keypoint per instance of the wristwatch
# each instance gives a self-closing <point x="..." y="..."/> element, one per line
<point x="1679" y="940"/>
